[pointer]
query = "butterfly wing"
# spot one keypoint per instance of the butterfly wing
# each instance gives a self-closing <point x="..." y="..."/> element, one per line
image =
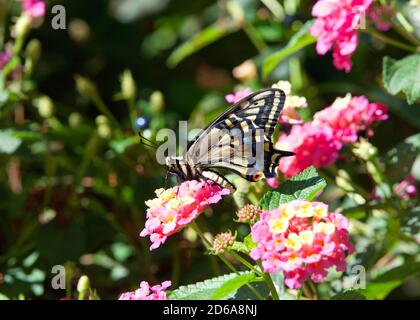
<point x="239" y="140"/>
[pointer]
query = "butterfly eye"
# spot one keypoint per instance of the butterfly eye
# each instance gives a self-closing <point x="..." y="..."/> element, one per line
<point x="257" y="176"/>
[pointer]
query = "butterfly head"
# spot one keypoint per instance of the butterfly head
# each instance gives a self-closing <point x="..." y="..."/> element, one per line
<point x="177" y="166"/>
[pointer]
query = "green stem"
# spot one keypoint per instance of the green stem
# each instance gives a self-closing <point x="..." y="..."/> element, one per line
<point x="275" y="7"/>
<point x="404" y="33"/>
<point x="255" y="38"/>
<point x="132" y="111"/>
<point x="390" y="41"/>
<point x="270" y="283"/>
<point x="208" y="246"/>
<point x="90" y="150"/>
<point x="307" y="291"/>
<point x="245" y="263"/>
<point x="98" y="102"/>
<point x="271" y="287"/>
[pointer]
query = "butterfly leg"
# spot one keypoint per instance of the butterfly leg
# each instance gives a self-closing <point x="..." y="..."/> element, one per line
<point x="219" y="180"/>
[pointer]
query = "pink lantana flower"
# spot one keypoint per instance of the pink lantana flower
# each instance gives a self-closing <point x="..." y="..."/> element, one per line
<point x="237" y="96"/>
<point x="146" y="292"/>
<point x="273" y="182"/>
<point x="349" y="115"/>
<point x="303" y="240"/>
<point x="336" y="28"/>
<point x="4" y="58"/>
<point x="34" y="8"/>
<point x="406" y="189"/>
<point x="176" y="207"/>
<point x="314" y="146"/>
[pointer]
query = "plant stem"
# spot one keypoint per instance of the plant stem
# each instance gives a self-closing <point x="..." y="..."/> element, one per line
<point x="307" y="292"/>
<point x="404" y="33"/>
<point x="208" y="245"/>
<point x="270" y="284"/>
<point x="390" y="41"/>
<point x="245" y="263"/>
<point x="255" y="38"/>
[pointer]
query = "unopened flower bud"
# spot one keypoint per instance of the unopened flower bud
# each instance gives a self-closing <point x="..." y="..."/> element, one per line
<point x="33" y="50"/>
<point x="83" y="285"/>
<point x="85" y="86"/>
<point x="222" y="241"/>
<point x="101" y="119"/>
<point x="157" y="101"/>
<point x="22" y="26"/>
<point x="128" y="85"/>
<point x="104" y="131"/>
<point x="248" y="214"/>
<point x="75" y="119"/>
<point x="45" y="106"/>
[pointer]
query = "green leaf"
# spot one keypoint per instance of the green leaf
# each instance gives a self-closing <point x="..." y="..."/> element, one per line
<point x="207" y="36"/>
<point x="403" y="76"/>
<point x="8" y="143"/>
<point x="231" y="286"/>
<point x="60" y="243"/>
<point x="271" y="200"/>
<point x="399" y="160"/>
<point x="304" y="186"/>
<point x="250" y="244"/>
<point x="381" y="286"/>
<point x="222" y="287"/>
<point x="240" y="247"/>
<point x="379" y="291"/>
<point x="278" y="280"/>
<point x="244" y="293"/>
<point x="301" y="39"/>
<point x="349" y="295"/>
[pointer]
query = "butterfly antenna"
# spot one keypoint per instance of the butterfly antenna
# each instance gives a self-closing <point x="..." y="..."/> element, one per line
<point x="146" y="142"/>
<point x="144" y="138"/>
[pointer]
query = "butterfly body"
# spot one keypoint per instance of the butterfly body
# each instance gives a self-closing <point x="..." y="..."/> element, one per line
<point x="239" y="140"/>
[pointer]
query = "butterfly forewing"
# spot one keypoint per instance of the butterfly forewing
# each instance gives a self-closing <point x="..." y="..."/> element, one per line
<point x="240" y="139"/>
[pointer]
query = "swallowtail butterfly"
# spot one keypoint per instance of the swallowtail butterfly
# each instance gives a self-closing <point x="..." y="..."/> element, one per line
<point x="239" y="140"/>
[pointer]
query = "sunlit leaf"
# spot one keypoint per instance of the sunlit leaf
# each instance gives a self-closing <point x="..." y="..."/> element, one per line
<point x="301" y="39"/>
<point x="222" y="287"/>
<point x="304" y="186"/>
<point x="207" y="36"/>
<point x="349" y="295"/>
<point x="403" y="76"/>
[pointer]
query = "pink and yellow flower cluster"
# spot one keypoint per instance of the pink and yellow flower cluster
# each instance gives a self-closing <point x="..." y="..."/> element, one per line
<point x="319" y="141"/>
<point x="336" y="27"/>
<point x="146" y="292"/>
<point x="302" y="239"/>
<point x="176" y="207"/>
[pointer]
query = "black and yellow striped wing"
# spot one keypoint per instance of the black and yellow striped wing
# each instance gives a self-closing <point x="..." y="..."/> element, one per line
<point x="239" y="140"/>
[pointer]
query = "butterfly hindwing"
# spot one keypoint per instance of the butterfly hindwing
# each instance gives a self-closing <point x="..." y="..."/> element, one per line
<point x="242" y="134"/>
